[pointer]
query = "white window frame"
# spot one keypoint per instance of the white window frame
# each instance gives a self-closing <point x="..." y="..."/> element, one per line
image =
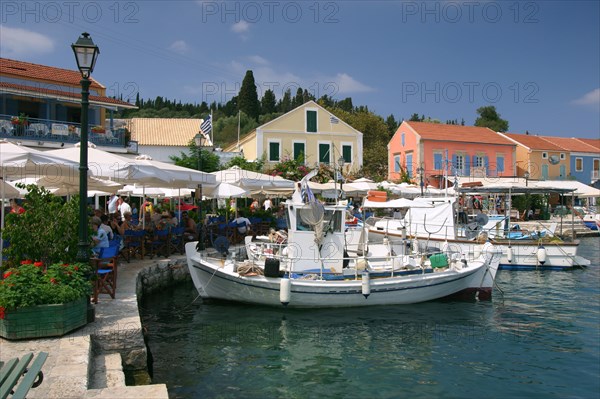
<point x="580" y="159"/>
<point x="397" y="166"/>
<point x="306" y="120"/>
<point x="319" y="149"/>
<point x="544" y="155"/>
<point x="479" y="161"/>
<point x="460" y="163"/>
<point x="351" y="145"/>
<point x="294" y="142"/>
<point x="278" y="141"/>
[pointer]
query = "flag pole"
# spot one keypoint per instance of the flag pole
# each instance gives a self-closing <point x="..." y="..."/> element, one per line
<point x="238" y="142"/>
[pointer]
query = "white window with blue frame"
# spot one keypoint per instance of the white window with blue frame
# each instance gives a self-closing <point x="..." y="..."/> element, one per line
<point x="397" y="165"/>
<point x="409" y="164"/>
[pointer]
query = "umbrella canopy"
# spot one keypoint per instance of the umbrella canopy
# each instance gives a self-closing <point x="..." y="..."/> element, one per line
<point x="179" y="176"/>
<point x="226" y="190"/>
<point x="19" y="161"/>
<point x="396" y="203"/>
<point x="8" y="191"/>
<point x="363" y="184"/>
<point x="255" y="182"/>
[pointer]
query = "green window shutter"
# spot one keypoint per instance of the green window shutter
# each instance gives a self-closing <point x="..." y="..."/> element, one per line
<point x="299" y="151"/>
<point x="273" y="151"/>
<point x="347" y="153"/>
<point x="311" y="121"/>
<point x="324" y="153"/>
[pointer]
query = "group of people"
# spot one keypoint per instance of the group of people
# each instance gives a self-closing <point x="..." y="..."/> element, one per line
<point x="122" y="217"/>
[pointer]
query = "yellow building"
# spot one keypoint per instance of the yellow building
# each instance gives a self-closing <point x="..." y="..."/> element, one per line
<point x="310" y="130"/>
<point x="540" y="158"/>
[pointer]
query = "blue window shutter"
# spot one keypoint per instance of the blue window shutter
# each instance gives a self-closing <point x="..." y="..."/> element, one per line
<point x="437" y="161"/>
<point x="500" y="164"/>
<point x="397" y="163"/>
<point x="409" y="165"/>
<point x="486" y="163"/>
<point x="467" y="166"/>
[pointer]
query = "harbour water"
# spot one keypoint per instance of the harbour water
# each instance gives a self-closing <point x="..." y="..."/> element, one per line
<point x="539" y="339"/>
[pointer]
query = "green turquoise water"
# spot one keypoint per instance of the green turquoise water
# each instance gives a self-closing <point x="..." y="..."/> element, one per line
<point x="541" y="339"/>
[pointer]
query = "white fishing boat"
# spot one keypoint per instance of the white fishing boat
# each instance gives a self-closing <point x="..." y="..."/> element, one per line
<point x="440" y="229"/>
<point x="312" y="268"/>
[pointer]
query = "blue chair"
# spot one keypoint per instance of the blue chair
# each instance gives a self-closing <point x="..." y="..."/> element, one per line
<point x="177" y="242"/>
<point x="160" y="243"/>
<point x="133" y="244"/>
<point x="106" y="272"/>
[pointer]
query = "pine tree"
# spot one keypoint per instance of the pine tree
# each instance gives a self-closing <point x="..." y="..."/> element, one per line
<point x="268" y="102"/>
<point x="298" y="98"/>
<point x="248" y="97"/>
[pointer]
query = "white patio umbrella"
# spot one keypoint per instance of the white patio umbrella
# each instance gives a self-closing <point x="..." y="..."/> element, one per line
<point x="364" y="184"/>
<point x="18" y="162"/>
<point x="226" y="190"/>
<point x="255" y="182"/>
<point x="179" y="176"/>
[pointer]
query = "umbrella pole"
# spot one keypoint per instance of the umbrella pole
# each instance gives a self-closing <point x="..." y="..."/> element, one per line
<point x="2" y="222"/>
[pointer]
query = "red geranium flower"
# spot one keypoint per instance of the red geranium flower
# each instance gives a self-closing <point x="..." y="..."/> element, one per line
<point x="26" y="262"/>
<point x="38" y="264"/>
<point x="2" y="309"/>
<point x="53" y="280"/>
<point x="6" y="275"/>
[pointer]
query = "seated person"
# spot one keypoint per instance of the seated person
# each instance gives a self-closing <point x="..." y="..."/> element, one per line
<point x="105" y="226"/>
<point x="100" y="237"/>
<point x="189" y="226"/>
<point x="242" y="229"/>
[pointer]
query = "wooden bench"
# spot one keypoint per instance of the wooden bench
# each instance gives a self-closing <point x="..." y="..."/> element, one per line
<point x="12" y="371"/>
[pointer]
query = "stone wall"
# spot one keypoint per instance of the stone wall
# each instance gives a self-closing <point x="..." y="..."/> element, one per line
<point x="163" y="274"/>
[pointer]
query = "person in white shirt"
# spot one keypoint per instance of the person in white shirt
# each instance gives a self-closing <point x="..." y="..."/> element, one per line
<point x="267" y="204"/>
<point x="124" y="207"/>
<point x="242" y="229"/>
<point x="112" y="204"/>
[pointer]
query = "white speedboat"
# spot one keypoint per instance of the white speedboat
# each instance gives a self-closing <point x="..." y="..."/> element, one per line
<point x="312" y="270"/>
<point x="438" y="229"/>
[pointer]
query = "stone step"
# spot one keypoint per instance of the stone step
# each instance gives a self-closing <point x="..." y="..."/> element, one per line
<point x="107" y="372"/>
<point x="155" y="391"/>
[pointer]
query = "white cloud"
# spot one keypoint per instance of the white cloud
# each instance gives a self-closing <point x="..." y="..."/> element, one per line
<point x="17" y="43"/>
<point x="240" y="27"/>
<point x="591" y="98"/>
<point x="258" y="60"/>
<point x="179" y="46"/>
<point x="347" y="84"/>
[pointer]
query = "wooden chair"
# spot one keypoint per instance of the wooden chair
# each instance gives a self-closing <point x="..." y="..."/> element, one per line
<point x="106" y="272"/>
<point x="12" y="371"/>
<point x="133" y="244"/>
<point x="160" y="244"/>
<point x="177" y="242"/>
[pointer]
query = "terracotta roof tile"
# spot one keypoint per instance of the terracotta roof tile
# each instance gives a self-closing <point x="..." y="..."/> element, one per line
<point x="470" y="134"/>
<point x="73" y="94"/>
<point x="163" y="131"/>
<point x="534" y="142"/>
<point x="43" y="72"/>
<point x="592" y="142"/>
<point x="571" y="144"/>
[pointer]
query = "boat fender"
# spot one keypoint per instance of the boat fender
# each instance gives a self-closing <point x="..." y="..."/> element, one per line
<point x="284" y="252"/>
<point x="509" y="254"/>
<point x="463" y="260"/>
<point x="541" y="254"/>
<point x="366" y="284"/>
<point x="285" y="291"/>
<point x="361" y="264"/>
<point x="415" y="246"/>
<point x="445" y="247"/>
<point x="488" y="251"/>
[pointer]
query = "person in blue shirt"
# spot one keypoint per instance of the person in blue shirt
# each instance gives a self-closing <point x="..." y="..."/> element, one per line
<point x="100" y="236"/>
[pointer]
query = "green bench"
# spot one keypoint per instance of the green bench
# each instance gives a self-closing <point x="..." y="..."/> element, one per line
<point x="17" y="379"/>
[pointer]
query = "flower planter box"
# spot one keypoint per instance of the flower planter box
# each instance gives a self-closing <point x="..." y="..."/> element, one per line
<point x="44" y="320"/>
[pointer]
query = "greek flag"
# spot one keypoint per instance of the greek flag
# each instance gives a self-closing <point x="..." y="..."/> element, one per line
<point x="333" y="120"/>
<point x="206" y="126"/>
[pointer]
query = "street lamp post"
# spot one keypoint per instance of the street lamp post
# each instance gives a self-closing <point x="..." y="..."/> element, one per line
<point x="86" y="53"/>
<point x="420" y="171"/>
<point x="199" y="140"/>
<point x="526" y="176"/>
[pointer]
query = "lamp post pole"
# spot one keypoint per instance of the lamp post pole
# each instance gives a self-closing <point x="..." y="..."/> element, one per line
<point x="341" y="162"/>
<point x="526" y="176"/>
<point x="86" y="53"/>
<point x="420" y="172"/>
<point x="199" y="139"/>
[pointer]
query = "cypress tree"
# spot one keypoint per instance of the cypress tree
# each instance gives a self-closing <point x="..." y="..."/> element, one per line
<point x="248" y="97"/>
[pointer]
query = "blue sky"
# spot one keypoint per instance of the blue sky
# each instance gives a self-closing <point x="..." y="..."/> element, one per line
<point x="538" y="62"/>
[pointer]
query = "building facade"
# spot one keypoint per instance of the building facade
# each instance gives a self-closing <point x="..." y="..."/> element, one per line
<point x="308" y="130"/>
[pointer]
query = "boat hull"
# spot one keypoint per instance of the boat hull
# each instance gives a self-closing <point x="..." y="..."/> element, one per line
<point x="559" y="256"/>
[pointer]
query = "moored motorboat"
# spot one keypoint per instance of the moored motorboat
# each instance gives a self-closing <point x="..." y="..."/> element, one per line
<point x="313" y="269"/>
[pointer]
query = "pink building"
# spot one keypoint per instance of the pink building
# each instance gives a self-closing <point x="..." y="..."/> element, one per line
<point x="434" y="149"/>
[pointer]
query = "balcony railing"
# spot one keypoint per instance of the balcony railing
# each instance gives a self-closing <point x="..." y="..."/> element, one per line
<point x="44" y="130"/>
